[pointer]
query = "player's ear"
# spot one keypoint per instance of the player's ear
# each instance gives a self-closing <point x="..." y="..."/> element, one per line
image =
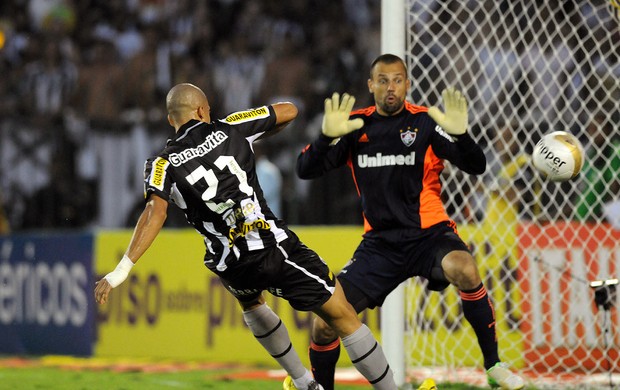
<point x="370" y="86"/>
<point x="202" y="113"/>
<point x="170" y="120"/>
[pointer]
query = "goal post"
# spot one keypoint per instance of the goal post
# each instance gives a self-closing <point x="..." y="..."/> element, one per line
<point x="527" y="68"/>
<point x="393" y="14"/>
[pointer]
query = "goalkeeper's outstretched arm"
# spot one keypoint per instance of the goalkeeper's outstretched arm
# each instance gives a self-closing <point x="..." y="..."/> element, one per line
<point x="464" y="152"/>
<point x="321" y="155"/>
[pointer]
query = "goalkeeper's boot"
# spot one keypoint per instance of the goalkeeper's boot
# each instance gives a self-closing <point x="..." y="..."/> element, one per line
<point x="289" y="385"/>
<point x="428" y="384"/>
<point x="500" y="376"/>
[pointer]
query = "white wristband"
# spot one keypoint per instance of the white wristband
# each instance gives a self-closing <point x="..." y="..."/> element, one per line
<point x="120" y="273"/>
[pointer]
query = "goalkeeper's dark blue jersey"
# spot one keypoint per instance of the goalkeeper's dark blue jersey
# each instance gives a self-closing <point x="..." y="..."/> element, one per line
<point x="208" y="170"/>
<point x="396" y="163"/>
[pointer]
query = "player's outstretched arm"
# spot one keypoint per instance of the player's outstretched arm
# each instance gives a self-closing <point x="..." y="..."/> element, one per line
<point x="286" y="112"/>
<point x="454" y="119"/>
<point x="148" y="226"/>
<point x="336" y="121"/>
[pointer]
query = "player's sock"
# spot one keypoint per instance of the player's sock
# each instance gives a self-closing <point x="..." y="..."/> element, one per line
<point x="270" y="331"/>
<point x="478" y="310"/>
<point x="323" y="359"/>
<point x="367" y="356"/>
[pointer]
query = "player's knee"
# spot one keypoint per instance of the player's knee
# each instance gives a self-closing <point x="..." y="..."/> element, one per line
<point x="248" y="305"/>
<point x="461" y="270"/>
<point x="322" y="333"/>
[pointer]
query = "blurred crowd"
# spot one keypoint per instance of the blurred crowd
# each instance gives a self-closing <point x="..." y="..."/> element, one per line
<point x="84" y="83"/>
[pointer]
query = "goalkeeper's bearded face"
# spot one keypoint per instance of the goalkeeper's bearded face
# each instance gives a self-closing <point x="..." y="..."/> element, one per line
<point x="389" y="85"/>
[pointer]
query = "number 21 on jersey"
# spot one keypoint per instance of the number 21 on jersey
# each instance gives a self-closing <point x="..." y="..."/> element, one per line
<point x="222" y="162"/>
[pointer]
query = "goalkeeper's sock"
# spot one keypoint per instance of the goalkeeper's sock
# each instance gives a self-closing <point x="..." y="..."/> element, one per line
<point x="323" y="359"/>
<point x="478" y="310"/>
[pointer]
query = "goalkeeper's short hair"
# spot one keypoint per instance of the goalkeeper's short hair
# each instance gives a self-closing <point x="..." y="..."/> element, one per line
<point x="386" y="59"/>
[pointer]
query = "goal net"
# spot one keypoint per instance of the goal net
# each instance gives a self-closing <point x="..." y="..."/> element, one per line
<point x="527" y="68"/>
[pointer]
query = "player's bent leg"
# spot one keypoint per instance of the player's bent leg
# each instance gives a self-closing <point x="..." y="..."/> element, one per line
<point x="324" y="352"/>
<point x="479" y="312"/>
<point x="321" y="332"/>
<point x="324" y="348"/>
<point x="362" y="347"/>
<point x="461" y="270"/>
<point x="272" y="334"/>
<point x="369" y="359"/>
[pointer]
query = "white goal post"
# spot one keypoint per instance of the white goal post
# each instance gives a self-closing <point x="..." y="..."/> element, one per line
<point x="527" y="68"/>
<point x="392" y="313"/>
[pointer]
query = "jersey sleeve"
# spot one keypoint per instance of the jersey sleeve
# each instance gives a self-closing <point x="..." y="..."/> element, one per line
<point x="157" y="178"/>
<point x="462" y="150"/>
<point x="252" y="122"/>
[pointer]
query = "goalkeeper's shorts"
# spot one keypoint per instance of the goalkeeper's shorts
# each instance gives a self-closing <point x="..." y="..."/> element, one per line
<point x="381" y="262"/>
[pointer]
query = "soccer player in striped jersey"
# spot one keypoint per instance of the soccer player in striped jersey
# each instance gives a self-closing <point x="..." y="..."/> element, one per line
<point x="396" y="152"/>
<point x="208" y="169"/>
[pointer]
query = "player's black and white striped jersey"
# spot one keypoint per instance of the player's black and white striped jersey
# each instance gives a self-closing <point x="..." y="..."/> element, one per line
<point x="208" y="170"/>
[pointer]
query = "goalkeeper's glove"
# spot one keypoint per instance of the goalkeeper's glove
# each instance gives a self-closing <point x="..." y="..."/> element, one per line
<point x="454" y="120"/>
<point x="336" y="121"/>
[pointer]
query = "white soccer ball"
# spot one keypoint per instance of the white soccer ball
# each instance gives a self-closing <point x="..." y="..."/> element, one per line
<point x="558" y="156"/>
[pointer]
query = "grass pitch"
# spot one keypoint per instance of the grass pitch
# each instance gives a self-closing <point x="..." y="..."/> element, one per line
<point x="61" y="373"/>
<point x="62" y="379"/>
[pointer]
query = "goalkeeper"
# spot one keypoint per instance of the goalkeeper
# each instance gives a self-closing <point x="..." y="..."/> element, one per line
<point x="396" y="151"/>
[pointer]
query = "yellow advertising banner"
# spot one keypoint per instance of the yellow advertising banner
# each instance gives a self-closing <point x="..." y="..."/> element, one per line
<point x="172" y="307"/>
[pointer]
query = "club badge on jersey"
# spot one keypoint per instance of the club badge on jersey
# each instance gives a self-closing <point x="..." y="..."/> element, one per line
<point x="408" y="137"/>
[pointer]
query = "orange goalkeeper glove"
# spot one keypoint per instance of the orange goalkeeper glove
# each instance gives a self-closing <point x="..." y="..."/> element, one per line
<point x="336" y="121"/>
<point x="454" y="120"/>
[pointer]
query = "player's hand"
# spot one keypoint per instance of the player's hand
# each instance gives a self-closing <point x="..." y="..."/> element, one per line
<point x="454" y="119"/>
<point x="102" y="290"/>
<point x="336" y="121"/>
